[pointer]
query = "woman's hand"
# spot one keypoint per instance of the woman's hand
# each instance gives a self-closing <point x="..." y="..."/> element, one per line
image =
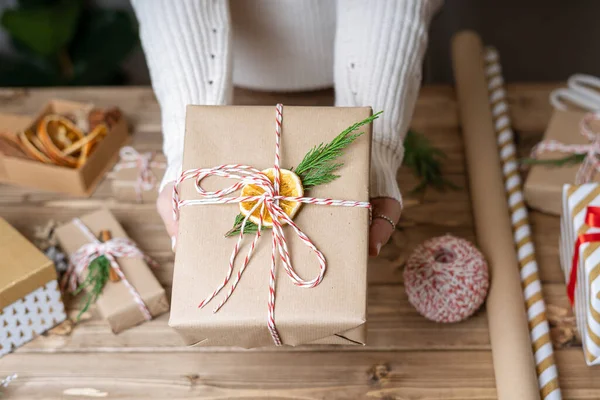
<point x="381" y="230"/>
<point x="164" y="205"/>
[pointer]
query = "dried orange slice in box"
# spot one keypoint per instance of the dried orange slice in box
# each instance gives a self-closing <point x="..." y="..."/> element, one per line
<point x="86" y="144"/>
<point x="290" y="185"/>
<point x="58" y="133"/>
<point x="32" y="146"/>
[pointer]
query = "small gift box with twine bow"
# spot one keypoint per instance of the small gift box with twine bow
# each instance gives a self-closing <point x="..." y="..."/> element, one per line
<point x="580" y="261"/>
<point x="273" y="226"/>
<point x="30" y="301"/>
<point x="112" y="270"/>
<point x="567" y="155"/>
<point x="136" y="176"/>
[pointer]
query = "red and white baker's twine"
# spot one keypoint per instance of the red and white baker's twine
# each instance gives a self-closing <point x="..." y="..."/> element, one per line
<point x="591" y="163"/>
<point x="131" y="158"/>
<point x="111" y="249"/>
<point x="269" y="202"/>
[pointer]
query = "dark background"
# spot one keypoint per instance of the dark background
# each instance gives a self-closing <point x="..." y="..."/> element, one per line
<point x="538" y="40"/>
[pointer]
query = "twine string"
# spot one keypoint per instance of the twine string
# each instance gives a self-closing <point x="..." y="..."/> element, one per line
<point x="267" y="202"/>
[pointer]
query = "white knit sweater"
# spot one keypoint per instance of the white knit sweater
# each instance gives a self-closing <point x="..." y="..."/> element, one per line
<point x="370" y="51"/>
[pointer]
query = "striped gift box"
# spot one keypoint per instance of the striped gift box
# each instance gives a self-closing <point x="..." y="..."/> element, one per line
<point x="576" y="200"/>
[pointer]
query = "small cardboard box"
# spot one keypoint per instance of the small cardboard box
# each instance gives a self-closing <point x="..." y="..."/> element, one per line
<point x="30" y="302"/>
<point x="544" y="184"/>
<point x="126" y="185"/>
<point x="116" y="303"/>
<point x="75" y="181"/>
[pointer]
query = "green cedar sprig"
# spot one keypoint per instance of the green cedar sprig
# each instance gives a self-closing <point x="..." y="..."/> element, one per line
<point x="425" y="160"/>
<point x="571" y="159"/>
<point x="318" y="166"/>
<point x="98" y="275"/>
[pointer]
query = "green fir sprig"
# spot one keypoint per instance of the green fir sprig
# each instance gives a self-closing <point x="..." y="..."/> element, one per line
<point x="93" y="284"/>
<point x="571" y="159"/>
<point x="318" y="166"/>
<point x="425" y="160"/>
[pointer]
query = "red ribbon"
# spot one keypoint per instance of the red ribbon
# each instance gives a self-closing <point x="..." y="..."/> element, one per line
<point x="592" y="219"/>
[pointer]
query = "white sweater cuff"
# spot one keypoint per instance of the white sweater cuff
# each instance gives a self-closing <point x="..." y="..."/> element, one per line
<point x="384" y="167"/>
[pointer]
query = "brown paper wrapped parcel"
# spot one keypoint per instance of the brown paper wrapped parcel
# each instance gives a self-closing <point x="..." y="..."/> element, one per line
<point x="544" y="184"/>
<point x="334" y="312"/>
<point x="137" y="182"/>
<point x="116" y="303"/>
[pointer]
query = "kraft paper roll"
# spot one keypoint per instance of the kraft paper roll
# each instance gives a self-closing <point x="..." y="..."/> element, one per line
<point x="514" y="365"/>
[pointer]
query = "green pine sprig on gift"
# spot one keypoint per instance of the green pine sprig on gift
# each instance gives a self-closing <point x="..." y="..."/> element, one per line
<point x="571" y="159"/>
<point x="425" y="160"/>
<point x="318" y="167"/>
<point x="319" y="164"/>
<point x="93" y="284"/>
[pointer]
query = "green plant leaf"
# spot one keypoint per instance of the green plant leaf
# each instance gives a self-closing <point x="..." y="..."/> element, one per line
<point x="45" y="29"/>
<point x="425" y="160"/>
<point x="19" y="71"/>
<point x="36" y="3"/>
<point x="105" y="39"/>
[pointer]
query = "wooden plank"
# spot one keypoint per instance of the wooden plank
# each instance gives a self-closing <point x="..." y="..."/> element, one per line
<point x="383" y="375"/>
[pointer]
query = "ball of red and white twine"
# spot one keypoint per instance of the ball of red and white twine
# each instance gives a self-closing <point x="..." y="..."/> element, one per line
<point x="446" y="279"/>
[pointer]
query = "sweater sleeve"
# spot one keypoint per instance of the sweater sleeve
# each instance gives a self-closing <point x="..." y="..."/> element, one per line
<point x="187" y="47"/>
<point x="379" y="50"/>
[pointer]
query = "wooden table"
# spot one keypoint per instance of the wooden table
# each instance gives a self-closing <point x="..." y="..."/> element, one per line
<point x="407" y="357"/>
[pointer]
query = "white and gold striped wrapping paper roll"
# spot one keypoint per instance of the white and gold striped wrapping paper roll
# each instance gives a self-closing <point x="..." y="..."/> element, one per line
<point x="576" y="199"/>
<point x="532" y="287"/>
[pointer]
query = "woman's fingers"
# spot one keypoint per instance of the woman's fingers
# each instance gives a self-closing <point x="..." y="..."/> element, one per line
<point x="164" y="205"/>
<point x="381" y="230"/>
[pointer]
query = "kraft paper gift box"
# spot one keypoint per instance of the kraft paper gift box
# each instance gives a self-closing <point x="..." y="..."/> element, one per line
<point x="544" y="183"/>
<point x="38" y="175"/>
<point x="30" y="301"/>
<point x="334" y="312"/>
<point x="116" y="303"/>
<point x="125" y="177"/>
<point x="585" y="281"/>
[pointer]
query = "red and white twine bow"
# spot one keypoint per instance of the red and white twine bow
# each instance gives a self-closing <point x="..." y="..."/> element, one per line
<point x="269" y="202"/>
<point x="111" y="249"/>
<point x="591" y="163"/>
<point x="131" y="158"/>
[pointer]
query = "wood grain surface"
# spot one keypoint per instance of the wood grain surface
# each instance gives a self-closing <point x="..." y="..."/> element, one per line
<point x="407" y="356"/>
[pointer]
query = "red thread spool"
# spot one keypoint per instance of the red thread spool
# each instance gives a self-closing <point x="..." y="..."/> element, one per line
<point x="446" y="279"/>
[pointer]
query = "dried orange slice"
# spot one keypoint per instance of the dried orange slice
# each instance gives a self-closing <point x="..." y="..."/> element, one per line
<point x="33" y="147"/>
<point x="87" y="143"/>
<point x="10" y="146"/>
<point x="56" y="134"/>
<point x="291" y="185"/>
